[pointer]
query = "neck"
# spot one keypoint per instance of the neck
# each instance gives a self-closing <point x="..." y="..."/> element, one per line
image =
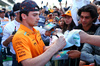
<point x="28" y="26"/>
<point x="18" y="20"/>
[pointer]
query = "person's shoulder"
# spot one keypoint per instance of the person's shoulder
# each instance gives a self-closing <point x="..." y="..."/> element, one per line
<point x="6" y="19"/>
<point x="94" y="27"/>
<point x="20" y="34"/>
<point x="9" y="24"/>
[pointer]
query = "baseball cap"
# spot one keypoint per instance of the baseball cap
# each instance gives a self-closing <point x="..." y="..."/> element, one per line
<point x="16" y="8"/>
<point x="29" y="5"/>
<point x="49" y="26"/>
<point x="49" y="14"/>
<point x="68" y="12"/>
<point x="51" y="10"/>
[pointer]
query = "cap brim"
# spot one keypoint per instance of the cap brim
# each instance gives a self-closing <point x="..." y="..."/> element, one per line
<point x="63" y="15"/>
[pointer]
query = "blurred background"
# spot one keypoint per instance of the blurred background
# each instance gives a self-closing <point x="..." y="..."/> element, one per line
<point x="8" y="4"/>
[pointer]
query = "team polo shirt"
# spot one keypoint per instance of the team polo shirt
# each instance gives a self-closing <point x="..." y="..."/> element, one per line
<point x="27" y="43"/>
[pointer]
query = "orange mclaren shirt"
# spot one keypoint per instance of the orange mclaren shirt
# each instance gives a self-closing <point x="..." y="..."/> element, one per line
<point x="27" y="43"/>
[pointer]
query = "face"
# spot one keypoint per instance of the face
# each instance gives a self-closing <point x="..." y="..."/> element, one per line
<point x="50" y="16"/>
<point x="32" y="18"/>
<point x="68" y="19"/>
<point x="55" y="14"/>
<point x="86" y="19"/>
<point x="2" y="15"/>
<point x="17" y="16"/>
<point x="61" y="23"/>
<point x="12" y="17"/>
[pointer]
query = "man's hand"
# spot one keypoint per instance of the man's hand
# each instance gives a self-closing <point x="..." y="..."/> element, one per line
<point x="83" y="36"/>
<point x="60" y="42"/>
<point x="8" y="40"/>
<point x="74" y="54"/>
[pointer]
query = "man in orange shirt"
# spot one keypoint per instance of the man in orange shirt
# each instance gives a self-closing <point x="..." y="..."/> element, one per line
<point x="27" y="43"/>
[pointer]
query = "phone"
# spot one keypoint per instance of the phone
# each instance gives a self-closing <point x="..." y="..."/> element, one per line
<point x="57" y="19"/>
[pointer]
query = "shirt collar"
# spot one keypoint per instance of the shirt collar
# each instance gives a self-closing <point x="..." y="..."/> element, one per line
<point x="27" y="29"/>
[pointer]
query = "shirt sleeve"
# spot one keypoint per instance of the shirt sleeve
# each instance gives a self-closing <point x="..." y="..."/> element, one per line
<point x="6" y="34"/>
<point x="86" y="53"/>
<point x="21" y="47"/>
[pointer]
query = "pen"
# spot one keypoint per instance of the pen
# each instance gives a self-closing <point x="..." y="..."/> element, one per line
<point x="57" y="36"/>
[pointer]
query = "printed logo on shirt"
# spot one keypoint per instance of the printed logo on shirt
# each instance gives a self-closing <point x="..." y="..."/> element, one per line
<point x="27" y="34"/>
<point x="35" y="43"/>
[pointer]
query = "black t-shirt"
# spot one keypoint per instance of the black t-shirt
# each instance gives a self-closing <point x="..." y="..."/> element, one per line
<point x="91" y="31"/>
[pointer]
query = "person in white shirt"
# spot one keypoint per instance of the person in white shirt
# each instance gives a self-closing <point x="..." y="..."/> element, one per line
<point x="8" y="30"/>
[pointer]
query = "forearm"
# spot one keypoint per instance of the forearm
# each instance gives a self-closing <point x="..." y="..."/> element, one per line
<point x="90" y="39"/>
<point x="87" y="57"/>
<point x="47" y="47"/>
<point x="93" y="40"/>
<point x="42" y="59"/>
<point x="6" y="42"/>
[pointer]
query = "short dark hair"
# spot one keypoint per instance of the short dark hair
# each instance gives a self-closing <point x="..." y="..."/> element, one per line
<point x="91" y="9"/>
<point x="16" y="7"/>
<point x="12" y="14"/>
<point x="57" y="13"/>
<point x="25" y="12"/>
<point x="54" y="6"/>
<point x="4" y="9"/>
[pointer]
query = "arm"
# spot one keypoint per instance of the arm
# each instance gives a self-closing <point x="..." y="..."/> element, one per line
<point x="45" y="57"/>
<point x="88" y="50"/>
<point x="7" y="38"/>
<point x="41" y="59"/>
<point x="97" y="59"/>
<point x="47" y="47"/>
<point x="87" y="54"/>
<point x="90" y="39"/>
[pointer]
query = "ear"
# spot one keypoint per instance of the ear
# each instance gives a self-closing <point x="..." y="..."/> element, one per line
<point x="24" y="16"/>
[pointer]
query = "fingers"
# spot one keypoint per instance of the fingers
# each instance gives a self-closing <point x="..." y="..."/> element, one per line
<point x="62" y="38"/>
<point x="74" y="54"/>
<point x="71" y="51"/>
<point x="70" y="54"/>
<point x="61" y="42"/>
